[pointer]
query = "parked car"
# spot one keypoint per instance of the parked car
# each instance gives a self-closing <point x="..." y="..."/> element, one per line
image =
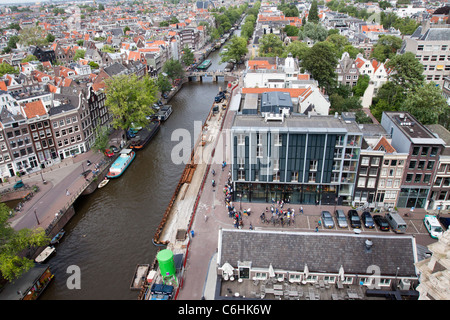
<point x="353" y="217"/>
<point x="381" y="222"/>
<point x="109" y="153"/>
<point x="367" y="219"/>
<point x="341" y="219"/>
<point x="433" y="226"/>
<point x="327" y="220"/>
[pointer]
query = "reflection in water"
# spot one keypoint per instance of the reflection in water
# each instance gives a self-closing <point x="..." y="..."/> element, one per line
<point x="113" y="229"/>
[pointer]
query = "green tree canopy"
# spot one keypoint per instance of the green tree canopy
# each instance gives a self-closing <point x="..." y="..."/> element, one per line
<point x="129" y="100"/>
<point x="7" y="68"/>
<point x="298" y="49"/>
<point x="270" y="45"/>
<point x="426" y="103"/>
<point x="13" y="243"/>
<point x="79" y="54"/>
<point x="314" y="31"/>
<point x="163" y="83"/>
<point x="313" y="15"/>
<point x="407" y="71"/>
<point x="386" y="48"/>
<point x="237" y="49"/>
<point x="188" y="57"/>
<point x="173" y="69"/>
<point x="321" y="62"/>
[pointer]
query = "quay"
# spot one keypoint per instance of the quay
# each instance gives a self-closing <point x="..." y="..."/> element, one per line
<point x="60" y="185"/>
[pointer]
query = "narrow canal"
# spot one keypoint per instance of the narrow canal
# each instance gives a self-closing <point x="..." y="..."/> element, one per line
<point x="113" y="229"/>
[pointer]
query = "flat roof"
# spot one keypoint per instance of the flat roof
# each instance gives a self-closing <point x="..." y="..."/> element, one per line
<point x="297" y="123"/>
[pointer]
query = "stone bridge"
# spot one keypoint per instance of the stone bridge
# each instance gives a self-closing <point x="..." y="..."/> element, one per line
<point x="198" y="75"/>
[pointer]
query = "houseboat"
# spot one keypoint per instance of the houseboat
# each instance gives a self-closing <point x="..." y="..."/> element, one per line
<point x="140" y="276"/>
<point x="121" y="163"/>
<point x="164" y="113"/>
<point x="145" y="135"/>
<point x="204" y="65"/>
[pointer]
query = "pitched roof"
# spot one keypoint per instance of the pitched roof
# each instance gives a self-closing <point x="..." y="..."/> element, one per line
<point x="383" y="143"/>
<point x="34" y="109"/>
<point x="322" y="252"/>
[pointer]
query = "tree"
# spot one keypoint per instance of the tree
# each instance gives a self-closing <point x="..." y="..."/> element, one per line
<point x="291" y="31"/>
<point x="237" y="49"/>
<point x="386" y="48"/>
<point x="407" y="71"/>
<point x="314" y="31"/>
<point x="188" y="57"/>
<point x="173" y="69"/>
<point x="93" y="64"/>
<point x="108" y="48"/>
<point x="101" y="138"/>
<point x="50" y="38"/>
<point x="29" y="58"/>
<point x="361" y="85"/>
<point x="313" y="15"/>
<point x="321" y="62"/>
<point x="298" y="49"/>
<point x="7" y="68"/>
<point x="101" y="7"/>
<point x="79" y="54"/>
<point x="13" y="243"/>
<point x="270" y="45"/>
<point x="32" y="36"/>
<point x="426" y="103"/>
<point x="129" y="100"/>
<point x="163" y="84"/>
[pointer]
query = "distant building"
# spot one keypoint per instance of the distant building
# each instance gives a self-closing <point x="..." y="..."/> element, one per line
<point x="431" y="44"/>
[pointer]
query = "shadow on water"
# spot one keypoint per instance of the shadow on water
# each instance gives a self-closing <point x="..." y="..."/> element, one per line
<point x="113" y="229"/>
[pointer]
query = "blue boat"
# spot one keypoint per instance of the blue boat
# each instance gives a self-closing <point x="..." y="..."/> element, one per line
<point x="121" y="163"/>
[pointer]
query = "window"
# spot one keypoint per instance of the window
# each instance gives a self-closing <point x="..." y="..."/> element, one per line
<point x="241" y="139"/>
<point x="409" y="177"/>
<point x="416" y="151"/>
<point x="294" y="176"/>
<point x="430" y="165"/>
<point x="259" y="139"/>
<point x="424" y="151"/>
<point x="418" y="178"/>
<point x="412" y="164"/>
<point x="371" y="183"/>
<point x="361" y="182"/>
<point x="277" y="139"/>
<point x="241" y="163"/>
<point x="313" y="165"/>
<point x="311" y="177"/>
<point x="259" y="152"/>
<point x="365" y="161"/>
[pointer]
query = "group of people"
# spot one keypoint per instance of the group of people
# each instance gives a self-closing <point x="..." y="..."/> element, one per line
<point x="232" y="212"/>
<point x="278" y="216"/>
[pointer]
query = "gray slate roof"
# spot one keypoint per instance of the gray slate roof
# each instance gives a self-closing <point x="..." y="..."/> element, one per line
<point x="322" y="252"/>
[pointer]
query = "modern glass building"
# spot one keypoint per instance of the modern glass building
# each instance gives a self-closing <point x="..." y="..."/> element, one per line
<point x="294" y="157"/>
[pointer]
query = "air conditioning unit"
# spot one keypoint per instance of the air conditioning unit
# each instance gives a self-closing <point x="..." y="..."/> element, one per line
<point x="404" y="284"/>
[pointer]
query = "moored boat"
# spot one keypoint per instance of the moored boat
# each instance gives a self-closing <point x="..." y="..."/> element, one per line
<point x="122" y="162"/>
<point x="140" y="276"/>
<point x="204" y="65"/>
<point x="103" y="183"/>
<point x="44" y="255"/>
<point x="145" y="135"/>
<point x="57" y="237"/>
<point x="164" y="113"/>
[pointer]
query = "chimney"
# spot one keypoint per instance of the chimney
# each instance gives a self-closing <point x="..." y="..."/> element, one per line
<point x="368" y="243"/>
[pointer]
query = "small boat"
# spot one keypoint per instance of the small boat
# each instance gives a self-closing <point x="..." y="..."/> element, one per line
<point x="57" y="237"/>
<point x="121" y="163"/>
<point x="204" y="65"/>
<point x="103" y="183"/>
<point x="44" y="255"/>
<point x="145" y="135"/>
<point x="140" y="276"/>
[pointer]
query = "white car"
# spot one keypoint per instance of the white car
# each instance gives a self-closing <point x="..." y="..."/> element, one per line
<point x="433" y="226"/>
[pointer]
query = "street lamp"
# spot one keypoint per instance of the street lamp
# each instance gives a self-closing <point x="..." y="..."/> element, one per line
<point x="36" y="217"/>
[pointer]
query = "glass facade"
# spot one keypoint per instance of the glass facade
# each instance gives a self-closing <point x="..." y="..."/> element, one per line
<point x="412" y="197"/>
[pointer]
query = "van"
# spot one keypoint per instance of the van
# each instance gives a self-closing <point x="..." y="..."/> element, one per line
<point x="433" y="226"/>
<point x="398" y="225"/>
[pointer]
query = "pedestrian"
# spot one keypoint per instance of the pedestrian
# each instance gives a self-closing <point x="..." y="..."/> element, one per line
<point x="206" y="217"/>
<point x="251" y="227"/>
<point x="317" y="229"/>
<point x="301" y="210"/>
<point x="67" y="192"/>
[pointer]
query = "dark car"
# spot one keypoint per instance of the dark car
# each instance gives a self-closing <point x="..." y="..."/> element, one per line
<point x="445" y="222"/>
<point x="367" y="219"/>
<point x="353" y="217"/>
<point x="381" y="222"/>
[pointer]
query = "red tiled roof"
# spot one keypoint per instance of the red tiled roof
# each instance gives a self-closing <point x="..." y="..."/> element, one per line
<point x="33" y="109"/>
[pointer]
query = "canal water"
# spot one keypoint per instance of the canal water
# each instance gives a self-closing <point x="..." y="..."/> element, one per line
<point x="113" y="228"/>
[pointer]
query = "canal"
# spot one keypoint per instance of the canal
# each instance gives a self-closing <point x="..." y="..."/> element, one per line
<point x="113" y="228"/>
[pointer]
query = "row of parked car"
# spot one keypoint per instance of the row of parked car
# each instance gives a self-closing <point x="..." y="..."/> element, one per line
<point x="354" y="220"/>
